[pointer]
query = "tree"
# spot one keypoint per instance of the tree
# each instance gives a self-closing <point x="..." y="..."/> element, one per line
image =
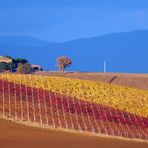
<point x="3" y="66"/>
<point x="24" y="68"/>
<point x="20" y="60"/>
<point x="63" y="62"/>
<point x="11" y="65"/>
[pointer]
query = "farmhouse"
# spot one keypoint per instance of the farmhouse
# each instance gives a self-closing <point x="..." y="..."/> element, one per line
<point x="5" y="59"/>
<point x="35" y="68"/>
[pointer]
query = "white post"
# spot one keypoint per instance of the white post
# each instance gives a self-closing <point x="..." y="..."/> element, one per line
<point x="72" y="125"/>
<point x="27" y="101"/>
<point x="76" y="113"/>
<point x="3" y="96"/>
<point x="104" y="66"/>
<point x="33" y="105"/>
<point x="51" y="109"/>
<point x="9" y="98"/>
<point x="63" y="110"/>
<point x="21" y="100"/>
<point x="58" y="112"/>
<point x="45" y="103"/>
<point x="15" y="99"/>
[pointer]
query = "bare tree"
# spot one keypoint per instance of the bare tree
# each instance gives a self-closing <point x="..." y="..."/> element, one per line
<point x="63" y="62"/>
<point x="24" y="68"/>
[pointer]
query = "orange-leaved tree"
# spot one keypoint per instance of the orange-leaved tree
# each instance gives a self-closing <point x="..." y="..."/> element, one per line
<point x="63" y="62"/>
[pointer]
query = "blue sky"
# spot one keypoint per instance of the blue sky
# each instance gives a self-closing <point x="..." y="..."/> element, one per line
<point x="61" y="20"/>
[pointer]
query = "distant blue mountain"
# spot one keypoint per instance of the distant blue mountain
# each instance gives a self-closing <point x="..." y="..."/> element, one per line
<point x="22" y="41"/>
<point x="123" y="52"/>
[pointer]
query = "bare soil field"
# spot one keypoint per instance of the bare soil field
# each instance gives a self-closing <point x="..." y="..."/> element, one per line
<point x="132" y="80"/>
<point x="14" y="135"/>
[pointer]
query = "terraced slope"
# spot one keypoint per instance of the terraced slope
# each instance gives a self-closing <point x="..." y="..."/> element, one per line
<point x="75" y="105"/>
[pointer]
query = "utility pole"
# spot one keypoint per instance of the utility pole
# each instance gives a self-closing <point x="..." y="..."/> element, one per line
<point x="104" y="66"/>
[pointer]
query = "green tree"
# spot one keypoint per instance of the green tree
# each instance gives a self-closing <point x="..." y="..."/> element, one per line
<point x="11" y="66"/>
<point x="24" y="68"/>
<point x="20" y="60"/>
<point x="63" y="62"/>
<point x="3" y="66"/>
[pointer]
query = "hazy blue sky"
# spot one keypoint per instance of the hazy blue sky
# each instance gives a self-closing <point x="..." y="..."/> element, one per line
<point x="60" y="20"/>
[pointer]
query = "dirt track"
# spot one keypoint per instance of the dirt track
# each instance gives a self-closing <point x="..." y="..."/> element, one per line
<point x="133" y="80"/>
<point x="13" y="135"/>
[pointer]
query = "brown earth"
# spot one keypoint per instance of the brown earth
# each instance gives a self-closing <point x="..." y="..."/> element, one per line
<point x="132" y="80"/>
<point x="13" y="135"/>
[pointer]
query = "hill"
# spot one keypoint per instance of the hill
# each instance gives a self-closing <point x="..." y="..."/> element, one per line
<point x="22" y="41"/>
<point x="124" y="52"/>
<point x="139" y="81"/>
<point x="75" y="105"/>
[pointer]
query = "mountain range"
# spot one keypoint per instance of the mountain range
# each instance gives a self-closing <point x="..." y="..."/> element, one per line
<point x="123" y="51"/>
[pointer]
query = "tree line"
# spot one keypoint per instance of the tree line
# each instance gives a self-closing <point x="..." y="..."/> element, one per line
<point x="21" y="65"/>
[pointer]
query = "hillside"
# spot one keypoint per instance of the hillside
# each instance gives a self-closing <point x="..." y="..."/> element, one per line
<point x="124" y="52"/>
<point x="19" y="40"/>
<point x="74" y="105"/>
<point x="139" y="81"/>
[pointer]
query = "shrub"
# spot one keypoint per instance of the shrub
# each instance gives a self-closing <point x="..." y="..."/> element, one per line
<point x="24" y="68"/>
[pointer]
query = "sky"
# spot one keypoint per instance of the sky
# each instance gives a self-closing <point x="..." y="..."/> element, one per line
<point x="63" y="20"/>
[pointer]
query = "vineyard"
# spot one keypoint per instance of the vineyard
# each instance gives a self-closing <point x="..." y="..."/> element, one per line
<point x="75" y="105"/>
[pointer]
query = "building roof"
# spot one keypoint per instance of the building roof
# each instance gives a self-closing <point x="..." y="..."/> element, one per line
<point x="36" y="66"/>
<point x="5" y="59"/>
